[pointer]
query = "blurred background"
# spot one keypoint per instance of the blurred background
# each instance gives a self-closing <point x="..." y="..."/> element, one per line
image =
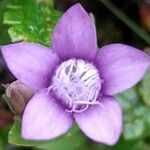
<point x="122" y="21"/>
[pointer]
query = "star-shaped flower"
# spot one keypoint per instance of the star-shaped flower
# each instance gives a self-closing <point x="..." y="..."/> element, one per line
<point x="74" y="81"/>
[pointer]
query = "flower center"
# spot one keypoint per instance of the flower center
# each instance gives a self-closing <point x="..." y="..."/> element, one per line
<point x="76" y="84"/>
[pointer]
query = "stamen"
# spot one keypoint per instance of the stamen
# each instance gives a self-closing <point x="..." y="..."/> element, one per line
<point x="76" y="84"/>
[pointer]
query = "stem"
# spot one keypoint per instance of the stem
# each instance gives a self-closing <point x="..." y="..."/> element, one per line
<point x="126" y="20"/>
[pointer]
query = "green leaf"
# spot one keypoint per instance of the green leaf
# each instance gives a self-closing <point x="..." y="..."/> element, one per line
<point x="72" y="139"/>
<point x="4" y="37"/>
<point x="30" y="20"/>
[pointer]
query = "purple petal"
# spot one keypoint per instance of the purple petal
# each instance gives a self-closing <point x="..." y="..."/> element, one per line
<point x="44" y="118"/>
<point x="75" y="35"/>
<point x="102" y="123"/>
<point x="121" y="67"/>
<point x="31" y="63"/>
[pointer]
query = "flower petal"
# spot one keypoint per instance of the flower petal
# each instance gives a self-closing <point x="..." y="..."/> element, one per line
<point x="102" y="123"/>
<point x="121" y="67"/>
<point x="75" y="35"/>
<point x="44" y="118"/>
<point x="31" y="63"/>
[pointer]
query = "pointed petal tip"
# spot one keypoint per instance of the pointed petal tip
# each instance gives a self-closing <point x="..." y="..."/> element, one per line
<point x="77" y="5"/>
<point x="78" y="8"/>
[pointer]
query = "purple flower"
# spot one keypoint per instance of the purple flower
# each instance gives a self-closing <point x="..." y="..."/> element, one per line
<point x="73" y="82"/>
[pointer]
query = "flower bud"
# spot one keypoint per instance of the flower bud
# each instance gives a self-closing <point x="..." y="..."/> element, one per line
<point x="25" y="92"/>
<point x="17" y="102"/>
<point x="18" y="95"/>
